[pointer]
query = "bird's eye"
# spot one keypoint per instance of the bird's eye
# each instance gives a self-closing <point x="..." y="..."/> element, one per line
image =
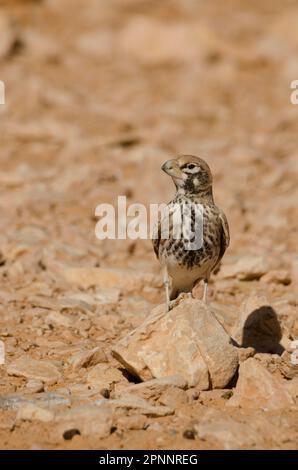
<point x="191" y="166"/>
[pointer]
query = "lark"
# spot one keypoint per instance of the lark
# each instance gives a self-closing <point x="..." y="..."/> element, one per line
<point x="192" y="234"/>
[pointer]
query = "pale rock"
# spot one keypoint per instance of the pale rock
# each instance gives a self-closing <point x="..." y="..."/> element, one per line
<point x="134" y="423"/>
<point x="245" y="353"/>
<point x="87" y="358"/>
<point x="152" y="389"/>
<point x="258" y="326"/>
<point x="35" y="386"/>
<point x="277" y="277"/>
<point x="168" y="391"/>
<point x="45" y="400"/>
<point x="257" y="388"/>
<point x="104" y="376"/>
<point x="140" y="405"/>
<point x="128" y="280"/>
<point x="247" y="268"/>
<point x="187" y="341"/>
<point x="227" y="431"/>
<point x="292" y="388"/>
<point x="58" y="319"/>
<point x="32" y="412"/>
<point x="33" y="369"/>
<point x="90" y="420"/>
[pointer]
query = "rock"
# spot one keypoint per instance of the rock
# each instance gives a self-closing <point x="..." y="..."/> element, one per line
<point x="127" y="279"/>
<point x="89" y="420"/>
<point x="31" y="412"/>
<point x="35" y="386"/>
<point x="292" y="388"/>
<point x="8" y="35"/>
<point x="247" y="268"/>
<point x="245" y="353"/>
<point x="141" y="406"/>
<point x="104" y="376"/>
<point x="58" y="319"/>
<point x="229" y="433"/>
<point x="47" y="400"/>
<point x="33" y="369"/>
<point x="289" y="365"/>
<point x="277" y="277"/>
<point x="258" y="326"/>
<point x="197" y="347"/>
<point x="134" y="423"/>
<point x="168" y="391"/>
<point x="257" y="388"/>
<point x="87" y="358"/>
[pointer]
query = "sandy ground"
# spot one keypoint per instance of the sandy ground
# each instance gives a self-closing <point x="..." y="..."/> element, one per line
<point x="98" y="96"/>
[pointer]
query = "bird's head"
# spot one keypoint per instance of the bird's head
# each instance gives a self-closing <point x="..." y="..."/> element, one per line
<point x="190" y="174"/>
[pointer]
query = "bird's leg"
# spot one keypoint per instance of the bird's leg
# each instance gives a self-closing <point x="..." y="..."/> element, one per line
<point x="167" y="289"/>
<point x="205" y="295"/>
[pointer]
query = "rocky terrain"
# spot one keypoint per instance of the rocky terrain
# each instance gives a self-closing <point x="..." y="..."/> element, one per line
<point x="98" y="96"/>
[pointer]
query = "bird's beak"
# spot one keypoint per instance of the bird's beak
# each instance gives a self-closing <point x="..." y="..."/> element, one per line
<point x="171" y="167"/>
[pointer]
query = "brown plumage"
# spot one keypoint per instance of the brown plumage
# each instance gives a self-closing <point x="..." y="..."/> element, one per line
<point x="184" y="266"/>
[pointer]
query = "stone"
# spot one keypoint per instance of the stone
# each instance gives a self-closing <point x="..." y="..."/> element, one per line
<point x="247" y="268"/>
<point x="188" y="341"/>
<point x="257" y="388"/>
<point x="229" y="433"/>
<point x="46" y="399"/>
<point x="258" y="326"/>
<point x="89" y="420"/>
<point x="30" y="368"/>
<point x="168" y="391"/>
<point x="127" y="279"/>
<point x="58" y="319"/>
<point x="87" y="358"/>
<point x="35" y="386"/>
<point x="277" y="277"/>
<point x="152" y="389"/>
<point x="104" y="376"/>
<point x="141" y="406"/>
<point x="32" y="412"/>
<point x="245" y="353"/>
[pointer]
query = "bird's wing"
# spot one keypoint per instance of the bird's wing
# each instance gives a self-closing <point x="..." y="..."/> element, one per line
<point x="156" y="235"/>
<point x="224" y="239"/>
<point x="225" y="233"/>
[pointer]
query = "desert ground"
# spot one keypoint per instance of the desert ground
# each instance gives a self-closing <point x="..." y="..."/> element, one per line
<point x="98" y="95"/>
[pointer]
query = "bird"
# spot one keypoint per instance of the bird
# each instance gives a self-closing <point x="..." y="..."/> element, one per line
<point x="184" y="264"/>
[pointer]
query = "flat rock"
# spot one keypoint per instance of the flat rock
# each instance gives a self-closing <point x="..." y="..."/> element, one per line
<point x="32" y="412"/>
<point x="229" y="433"/>
<point x="46" y="399"/>
<point x="257" y="388"/>
<point x="87" y="358"/>
<point x="187" y="341"/>
<point x="155" y="387"/>
<point x="258" y="326"/>
<point x="141" y="406"/>
<point x="33" y="369"/>
<point x="104" y="376"/>
<point x="89" y="420"/>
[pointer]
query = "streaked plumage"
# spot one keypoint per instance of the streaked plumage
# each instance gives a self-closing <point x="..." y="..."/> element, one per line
<point x="193" y="180"/>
